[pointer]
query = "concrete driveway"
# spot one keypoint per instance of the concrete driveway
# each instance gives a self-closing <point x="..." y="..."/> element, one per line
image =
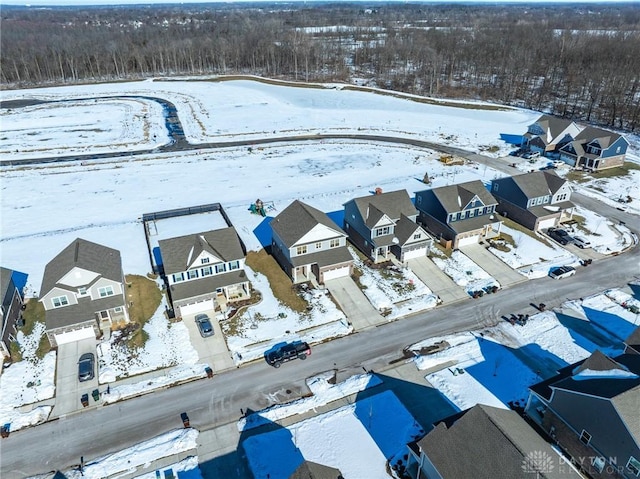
<point x="493" y="265"/>
<point x="355" y="305"/>
<point x="68" y="388"/>
<point x="213" y="349"/>
<point x="436" y="280"/>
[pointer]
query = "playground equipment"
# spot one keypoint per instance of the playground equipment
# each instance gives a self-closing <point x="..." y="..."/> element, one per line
<point x="261" y="207"/>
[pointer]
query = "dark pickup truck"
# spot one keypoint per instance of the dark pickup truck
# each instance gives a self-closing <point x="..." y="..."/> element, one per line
<point x="287" y="352"/>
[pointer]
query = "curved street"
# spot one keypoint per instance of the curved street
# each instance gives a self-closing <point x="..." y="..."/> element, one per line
<point x="59" y="444"/>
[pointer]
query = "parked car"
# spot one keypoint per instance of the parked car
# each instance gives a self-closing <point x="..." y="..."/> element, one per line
<point x="204" y="325"/>
<point x="560" y="235"/>
<point x="86" y="367"/>
<point x="581" y="242"/>
<point x="562" y="272"/>
<point x="287" y="352"/>
<point x="531" y="155"/>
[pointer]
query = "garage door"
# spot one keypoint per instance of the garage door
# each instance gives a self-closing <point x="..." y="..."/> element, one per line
<point x="467" y="241"/>
<point x="77" y="335"/>
<point x="198" y="307"/>
<point x="416" y="253"/>
<point x="335" y="273"/>
<point x="544" y="224"/>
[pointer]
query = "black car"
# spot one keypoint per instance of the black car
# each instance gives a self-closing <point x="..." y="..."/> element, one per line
<point x="287" y="352"/>
<point x="204" y="325"/>
<point x="560" y="235"/>
<point x="86" y="367"/>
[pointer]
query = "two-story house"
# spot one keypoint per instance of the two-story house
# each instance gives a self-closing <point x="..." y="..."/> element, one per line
<point x="384" y="224"/>
<point x="459" y="215"/>
<point x="12" y="299"/>
<point x="485" y="442"/>
<point x="204" y="271"/>
<point x="591" y="409"/>
<point x="83" y="292"/>
<point x="549" y="133"/>
<point x="308" y="245"/>
<point x="595" y="149"/>
<point x="536" y="200"/>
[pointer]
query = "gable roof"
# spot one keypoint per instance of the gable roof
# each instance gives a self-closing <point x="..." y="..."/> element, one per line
<point x="405" y="228"/>
<point x="455" y="197"/>
<point x="178" y="253"/>
<point x="83" y="254"/>
<point x="393" y="204"/>
<point x="538" y="183"/>
<point x="313" y="470"/>
<point x="492" y="442"/>
<point x="298" y="219"/>
<point x="604" y="137"/>
<point x="552" y="126"/>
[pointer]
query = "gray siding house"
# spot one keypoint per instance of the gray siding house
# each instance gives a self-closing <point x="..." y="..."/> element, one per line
<point x="10" y="309"/>
<point x="591" y="409"/>
<point x="549" y="133"/>
<point x="383" y="225"/>
<point x="459" y="215"/>
<point x="308" y="245"/>
<point x="536" y="200"/>
<point x="485" y="442"/>
<point x="204" y="271"/>
<point x="83" y="292"/>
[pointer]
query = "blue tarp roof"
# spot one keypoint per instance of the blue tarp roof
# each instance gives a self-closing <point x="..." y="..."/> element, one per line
<point x="513" y="139"/>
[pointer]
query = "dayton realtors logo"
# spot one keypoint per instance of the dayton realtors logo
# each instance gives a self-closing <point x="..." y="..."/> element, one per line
<point x="537" y="462"/>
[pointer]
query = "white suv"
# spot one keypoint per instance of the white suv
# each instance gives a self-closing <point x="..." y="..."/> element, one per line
<point x="562" y="272"/>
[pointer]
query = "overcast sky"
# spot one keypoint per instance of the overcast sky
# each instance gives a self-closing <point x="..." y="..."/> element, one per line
<point x="146" y="2"/>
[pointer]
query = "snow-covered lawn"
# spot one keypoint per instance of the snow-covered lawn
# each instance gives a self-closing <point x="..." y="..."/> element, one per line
<point x="605" y="235"/>
<point x="27" y="382"/>
<point x="269" y="322"/>
<point x="357" y="439"/>
<point x="463" y="271"/>
<point x="398" y="291"/>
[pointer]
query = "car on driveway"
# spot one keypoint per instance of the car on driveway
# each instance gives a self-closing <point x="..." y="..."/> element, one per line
<point x="581" y="242"/>
<point x="562" y="272"/>
<point x="86" y="367"/>
<point x="560" y="235"/>
<point x="287" y="352"/>
<point x="204" y="325"/>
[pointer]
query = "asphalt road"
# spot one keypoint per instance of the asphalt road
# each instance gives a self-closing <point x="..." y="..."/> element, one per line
<point x="212" y="402"/>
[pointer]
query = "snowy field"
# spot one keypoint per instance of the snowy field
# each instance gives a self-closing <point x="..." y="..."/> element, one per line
<point x="103" y="201"/>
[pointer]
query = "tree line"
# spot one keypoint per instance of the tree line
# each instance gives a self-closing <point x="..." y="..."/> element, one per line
<point x="579" y="62"/>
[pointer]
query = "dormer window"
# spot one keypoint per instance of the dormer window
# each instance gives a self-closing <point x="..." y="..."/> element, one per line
<point x="82" y="291"/>
<point x="385" y="230"/>
<point x="205" y="260"/>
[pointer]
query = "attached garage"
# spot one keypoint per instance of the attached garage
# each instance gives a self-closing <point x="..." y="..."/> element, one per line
<point x="415" y="253"/>
<point x="548" y="223"/>
<point x="197" y="307"/>
<point x="73" y="336"/>
<point x="335" y="273"/>
<point x="468" y="240"/>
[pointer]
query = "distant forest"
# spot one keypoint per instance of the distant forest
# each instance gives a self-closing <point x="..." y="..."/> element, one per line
<point x="579" y="62"/>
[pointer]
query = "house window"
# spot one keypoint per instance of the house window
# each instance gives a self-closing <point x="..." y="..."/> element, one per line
<point x="419" y="199"/>
<point x="82" y="291"/>
<point x="301" y="250"/>
<point x="634" y="465"/>
<point x="178" y="277"/>
<point x="118" y="309"/>
<point x="585" y="437"/>
<point x="234" y="265"/>
<point x="318" y="245"/>
<point x="618" y="149"/>
<point x="192" y="274"/>
<point x="546" y="200"/>
<point x="472" y="213"/>
<point x="459" y="216"/>
<point x="221" y="268"/>
<point x="208" y="271"/>
<point x="562" y="197"/>
<point x="495" y="186"/>
<point x="205" y="260"/>
<point x="334" y="243"/>
<point x="598" y="463"/>
<point x="104" y="314"/>
<point x="59" y="301"/>
<point x="105" y="291"/>
<point x="417" y="236"/>
<point x="385" y="230"/>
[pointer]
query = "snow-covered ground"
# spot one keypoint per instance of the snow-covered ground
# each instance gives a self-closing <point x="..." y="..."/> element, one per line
<point x="463" y="271"/>
<point x="116" y="192"/>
